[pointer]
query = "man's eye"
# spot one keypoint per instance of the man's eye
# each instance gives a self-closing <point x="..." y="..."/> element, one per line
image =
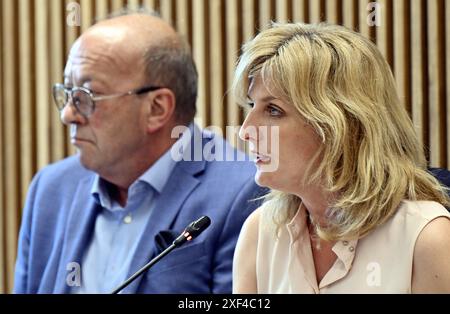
<point x="76" y="101"/>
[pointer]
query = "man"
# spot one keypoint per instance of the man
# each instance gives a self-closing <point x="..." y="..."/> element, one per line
<point x="92" y="220"/>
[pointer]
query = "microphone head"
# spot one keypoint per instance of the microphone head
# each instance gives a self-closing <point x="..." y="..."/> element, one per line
<point x="193" y="230"/>
<point x="198" y="226"/>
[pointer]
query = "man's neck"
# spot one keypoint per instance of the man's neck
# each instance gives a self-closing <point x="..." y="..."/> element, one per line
<point x="120" y="180"/>
<point x="120" y="195"/>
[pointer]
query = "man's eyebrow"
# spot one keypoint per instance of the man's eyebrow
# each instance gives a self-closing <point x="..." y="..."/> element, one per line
<point x="83" y="80"/>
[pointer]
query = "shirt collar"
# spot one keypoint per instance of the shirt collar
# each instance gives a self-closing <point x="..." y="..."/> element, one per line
<point x="344" y="250"/>
<point x="156" y="176"/>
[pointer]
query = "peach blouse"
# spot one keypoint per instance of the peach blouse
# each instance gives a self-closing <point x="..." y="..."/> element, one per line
<point x="381" y="262"/>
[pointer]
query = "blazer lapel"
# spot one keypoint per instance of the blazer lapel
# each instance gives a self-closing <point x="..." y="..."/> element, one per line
<point x="178" y="187"/>
<point x="80" y="224"/>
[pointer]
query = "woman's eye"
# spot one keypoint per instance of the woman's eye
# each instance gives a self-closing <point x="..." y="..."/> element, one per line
<point x="274" y="111"/>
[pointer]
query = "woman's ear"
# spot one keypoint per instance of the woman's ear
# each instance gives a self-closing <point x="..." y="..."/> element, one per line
<point x="162" y="109"/>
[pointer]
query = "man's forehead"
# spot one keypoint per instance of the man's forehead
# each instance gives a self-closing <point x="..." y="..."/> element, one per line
<point x="105" y="33"/>
<point x="93" y="51"/>
<point x="105" y="41"/>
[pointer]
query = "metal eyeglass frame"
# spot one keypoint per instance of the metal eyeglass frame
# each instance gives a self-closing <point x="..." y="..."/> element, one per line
<point x="69" y="94"/>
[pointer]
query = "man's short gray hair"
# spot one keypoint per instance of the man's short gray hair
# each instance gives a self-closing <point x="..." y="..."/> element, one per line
<point x="169" y="64"/>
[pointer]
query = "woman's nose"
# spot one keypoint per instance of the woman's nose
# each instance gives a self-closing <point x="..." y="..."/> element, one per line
<point x="248" y="130"/>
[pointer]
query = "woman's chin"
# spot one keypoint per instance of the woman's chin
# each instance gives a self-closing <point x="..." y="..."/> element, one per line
<point x="263" y="179"/>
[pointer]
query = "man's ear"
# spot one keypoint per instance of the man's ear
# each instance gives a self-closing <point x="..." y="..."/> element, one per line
<point x="162" y="109"/>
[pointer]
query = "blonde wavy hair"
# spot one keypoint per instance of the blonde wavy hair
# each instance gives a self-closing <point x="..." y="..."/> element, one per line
<point x="339" y="82"/>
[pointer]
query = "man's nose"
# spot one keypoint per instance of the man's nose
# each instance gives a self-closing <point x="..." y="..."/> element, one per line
<point x="70" y="115"/>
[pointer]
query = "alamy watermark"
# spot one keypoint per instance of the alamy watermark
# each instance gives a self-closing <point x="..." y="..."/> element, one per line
<point x="264" y="145"/>
<point x="73" y="17"/>
<point x="373" y="278"/>
<point x="374" y="17"/>
<point x="73" y="278"/>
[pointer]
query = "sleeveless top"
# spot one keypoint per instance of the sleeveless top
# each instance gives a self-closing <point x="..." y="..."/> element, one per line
<point x="381" y="262"/>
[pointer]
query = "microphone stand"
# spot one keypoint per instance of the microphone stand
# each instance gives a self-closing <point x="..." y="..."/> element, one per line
<point x="144" y="268"/>
<point x="191" y="231"/>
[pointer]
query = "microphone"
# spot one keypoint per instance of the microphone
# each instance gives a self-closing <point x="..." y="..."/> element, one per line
<point x="193" y="230"/>
<point x="190" y="232"/>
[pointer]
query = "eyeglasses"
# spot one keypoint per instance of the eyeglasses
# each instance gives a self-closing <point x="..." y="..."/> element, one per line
<point x="84" y="99"/>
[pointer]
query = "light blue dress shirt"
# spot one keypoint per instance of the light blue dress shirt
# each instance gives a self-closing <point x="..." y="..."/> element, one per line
<point x="106" y="262"/>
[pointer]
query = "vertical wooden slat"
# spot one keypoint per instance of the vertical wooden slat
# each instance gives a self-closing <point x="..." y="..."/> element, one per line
<point x="101" y="10"/>
<point x="182" y="23"/>
<point x="42" y="85"/>
<point x="250" y="26"/>
<point x="86" y="14"/>
<point x="2" y="159"/>
<point x="231" y="57"/>
<point x="282" y="11"/>
<point x="348" y="13"/>
<point x="26" y="110"/>
<point x="265" y="12"/>
<point x="417" y="79"/>
<point x="298" y="11"/>
<point x="166" y="11"/>
<point x="216" y="70"/>
<point x="314" y="12"/>
<point x="382" y="30"/>
<point x="435" y="135"/>
<point x="332" y="11"/>
<point x="11" y="137"/>
<point x="199" y="57"/>
<point x="447" y="62"/>
<point x="56" y="64"/>
<point x="363" y="13"/>
<point x="72" y="32"/>
<point x="248" y="23"/>
<point x="400" y="54"/>
<point x="117" y="5"/>
<point x="149" y="4"/>
<point x="133" y="4"/>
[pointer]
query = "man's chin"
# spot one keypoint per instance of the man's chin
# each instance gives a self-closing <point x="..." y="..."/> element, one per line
<point x="86" y="162"/>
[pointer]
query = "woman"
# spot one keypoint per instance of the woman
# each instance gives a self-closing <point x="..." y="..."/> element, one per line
<point x="352" y="207"/>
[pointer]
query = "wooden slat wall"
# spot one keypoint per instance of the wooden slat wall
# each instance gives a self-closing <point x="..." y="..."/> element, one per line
<point x="349" y="13"/>
<point x="265" y="13"/>
<point x="418" y="81"/>
<point x="447" y="74"/>
<point x="199" y="41"/>
<point x="216" y="73"/>
<point x="35" y="40"/>
<point x="436" y="70"/>
<point x="3" y="250"/>
<point x="57" y="59"/>
<point x="70" y="34"/>
<point x="232" y="48"/>
<point x="11" y="138"/>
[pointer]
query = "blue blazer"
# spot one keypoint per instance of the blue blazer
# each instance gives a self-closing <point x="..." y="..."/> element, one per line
<point x="60" y="212"/>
